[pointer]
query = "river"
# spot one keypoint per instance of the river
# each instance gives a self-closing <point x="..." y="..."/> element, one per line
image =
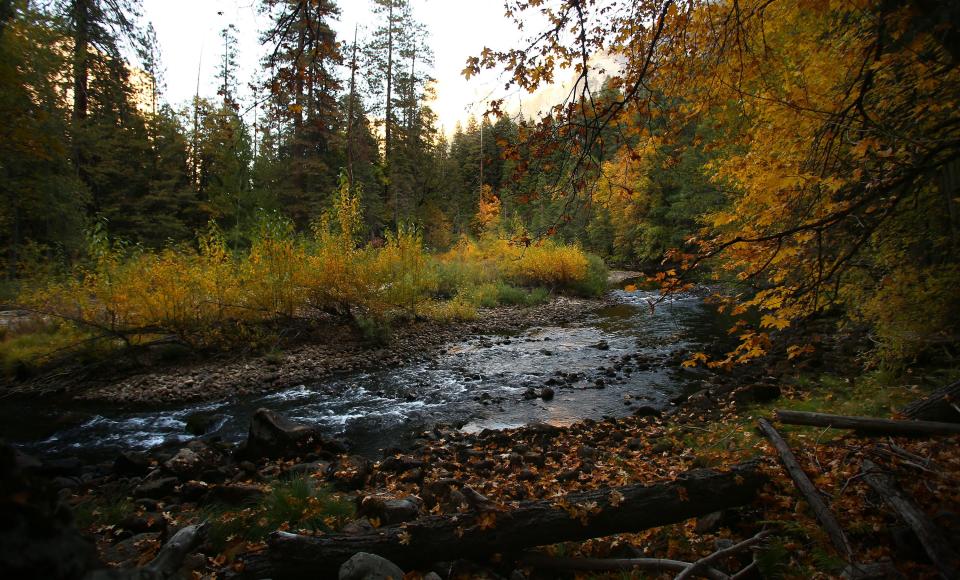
<point x="609" y="363"/>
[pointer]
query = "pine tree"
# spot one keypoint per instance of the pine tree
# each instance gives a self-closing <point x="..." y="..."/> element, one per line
<point x="303" y="88"/>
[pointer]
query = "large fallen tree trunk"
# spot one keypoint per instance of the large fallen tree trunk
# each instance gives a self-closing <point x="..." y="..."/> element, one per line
<point x="574" y="517"/>
<point x="941" y="405"/>
<point x="868" y="424"/>
<point x="934" y="543"/>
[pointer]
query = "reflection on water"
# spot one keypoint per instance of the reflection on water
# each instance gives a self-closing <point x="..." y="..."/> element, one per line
<point x="479" y="384"/>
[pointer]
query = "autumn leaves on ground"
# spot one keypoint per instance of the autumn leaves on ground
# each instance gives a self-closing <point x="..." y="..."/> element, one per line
<point x="794" y="162"/>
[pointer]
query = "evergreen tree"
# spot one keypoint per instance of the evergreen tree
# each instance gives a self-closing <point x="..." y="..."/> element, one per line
<point x="303" y="88"/>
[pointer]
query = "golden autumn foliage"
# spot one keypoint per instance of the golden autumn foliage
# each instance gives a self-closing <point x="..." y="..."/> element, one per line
<point x="209" y="296"/>
<point x="831" y="129"/>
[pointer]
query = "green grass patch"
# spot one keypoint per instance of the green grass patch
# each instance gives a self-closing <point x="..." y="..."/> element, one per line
<point x="294" y="504"/>
<point x="106" y="510"/>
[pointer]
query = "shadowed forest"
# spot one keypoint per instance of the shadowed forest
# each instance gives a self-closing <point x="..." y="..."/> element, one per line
<point x="697" y="316"/>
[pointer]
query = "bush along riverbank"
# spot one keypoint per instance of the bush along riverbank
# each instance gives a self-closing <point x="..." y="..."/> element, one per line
<point x="648" y="494"/>
<point x="127" y="307"/>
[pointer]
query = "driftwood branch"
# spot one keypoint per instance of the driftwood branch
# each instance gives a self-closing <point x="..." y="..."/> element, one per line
<point x="706" y="561"/>
<point x="652" y="565"/>
<point x="809" y="491"/>
<point x="175" y="551"/>
<point x="936" y="546"/>
<point x="475" y="535"/>
<point x="868" y="424"/>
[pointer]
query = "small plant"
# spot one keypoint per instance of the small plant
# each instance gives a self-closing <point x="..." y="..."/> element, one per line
<point x="106" y="510"/>
<point x="294" y="504"/>
<point x="375" y="331"/>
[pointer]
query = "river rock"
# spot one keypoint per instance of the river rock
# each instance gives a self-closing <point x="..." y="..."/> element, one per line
<point x="129" y="463"/>
<point x="546" y="393"/>
<point x="647" y="411"/>
<point x="192" y="460"/>
<point x="271" y="435"/>
<point x="757" y="393"/>
<point x="126" y="553"/>
<point x="351" y="473"/>
<point x="147" y="522"/>
<point x="390" y="510"/>
<point x="157" y="488"/>
<point x="364" y="566"/>
<point x="201" y="423"/>
<point x="307" y="469"/>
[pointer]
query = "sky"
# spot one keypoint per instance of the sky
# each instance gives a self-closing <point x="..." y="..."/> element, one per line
<point x="188" y="33"/>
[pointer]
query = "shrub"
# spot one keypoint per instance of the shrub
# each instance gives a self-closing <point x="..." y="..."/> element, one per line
<point x="594" y="284"/>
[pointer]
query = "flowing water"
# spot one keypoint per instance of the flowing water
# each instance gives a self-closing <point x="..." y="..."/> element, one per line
<point x="476" y="384"/>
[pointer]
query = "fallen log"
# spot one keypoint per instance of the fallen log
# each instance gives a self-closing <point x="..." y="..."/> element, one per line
<point x="868" y="424"/>
<point x="809" y="491"/>
<point x="940" y="405"/>
<point x="652" y="565"/>
<point x="478" y="534"/>
<point x="934" y="544"/>
<point x="167" y="563"/>
<point x="175" y="551"/>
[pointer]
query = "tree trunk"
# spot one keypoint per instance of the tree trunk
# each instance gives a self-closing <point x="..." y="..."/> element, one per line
<point x="577" y="516"/>
<point x="868" y="424"/>
<point x="937" y="547"/>
<point x="80" y="13"/>
<point x="388" y="133"/>
<point x="350" y="108"/>
<point x="809" y="491"/>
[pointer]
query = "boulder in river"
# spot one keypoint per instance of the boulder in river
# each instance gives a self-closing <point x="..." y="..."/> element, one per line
<point x="201" y="423"/>
<point x="272" y="435"/>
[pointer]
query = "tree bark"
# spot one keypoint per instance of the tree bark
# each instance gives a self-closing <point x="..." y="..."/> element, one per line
<point x="937" y="547"/>
<point x="388" y="133"/>
<point x="809" y="491"/>
<point x="577" y="516"/>
<point x="941" y="405"/>
<point x="80" y="14"/>
<point x="868" y="424"/>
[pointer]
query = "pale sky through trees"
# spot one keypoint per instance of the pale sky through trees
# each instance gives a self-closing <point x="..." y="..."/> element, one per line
<point x="458" y="29"/>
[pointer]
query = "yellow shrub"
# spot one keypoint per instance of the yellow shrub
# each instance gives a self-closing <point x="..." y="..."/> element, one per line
<point x="548" y="264"/>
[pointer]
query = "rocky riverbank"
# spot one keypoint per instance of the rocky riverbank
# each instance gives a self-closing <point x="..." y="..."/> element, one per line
<point x="340" y="350"/>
